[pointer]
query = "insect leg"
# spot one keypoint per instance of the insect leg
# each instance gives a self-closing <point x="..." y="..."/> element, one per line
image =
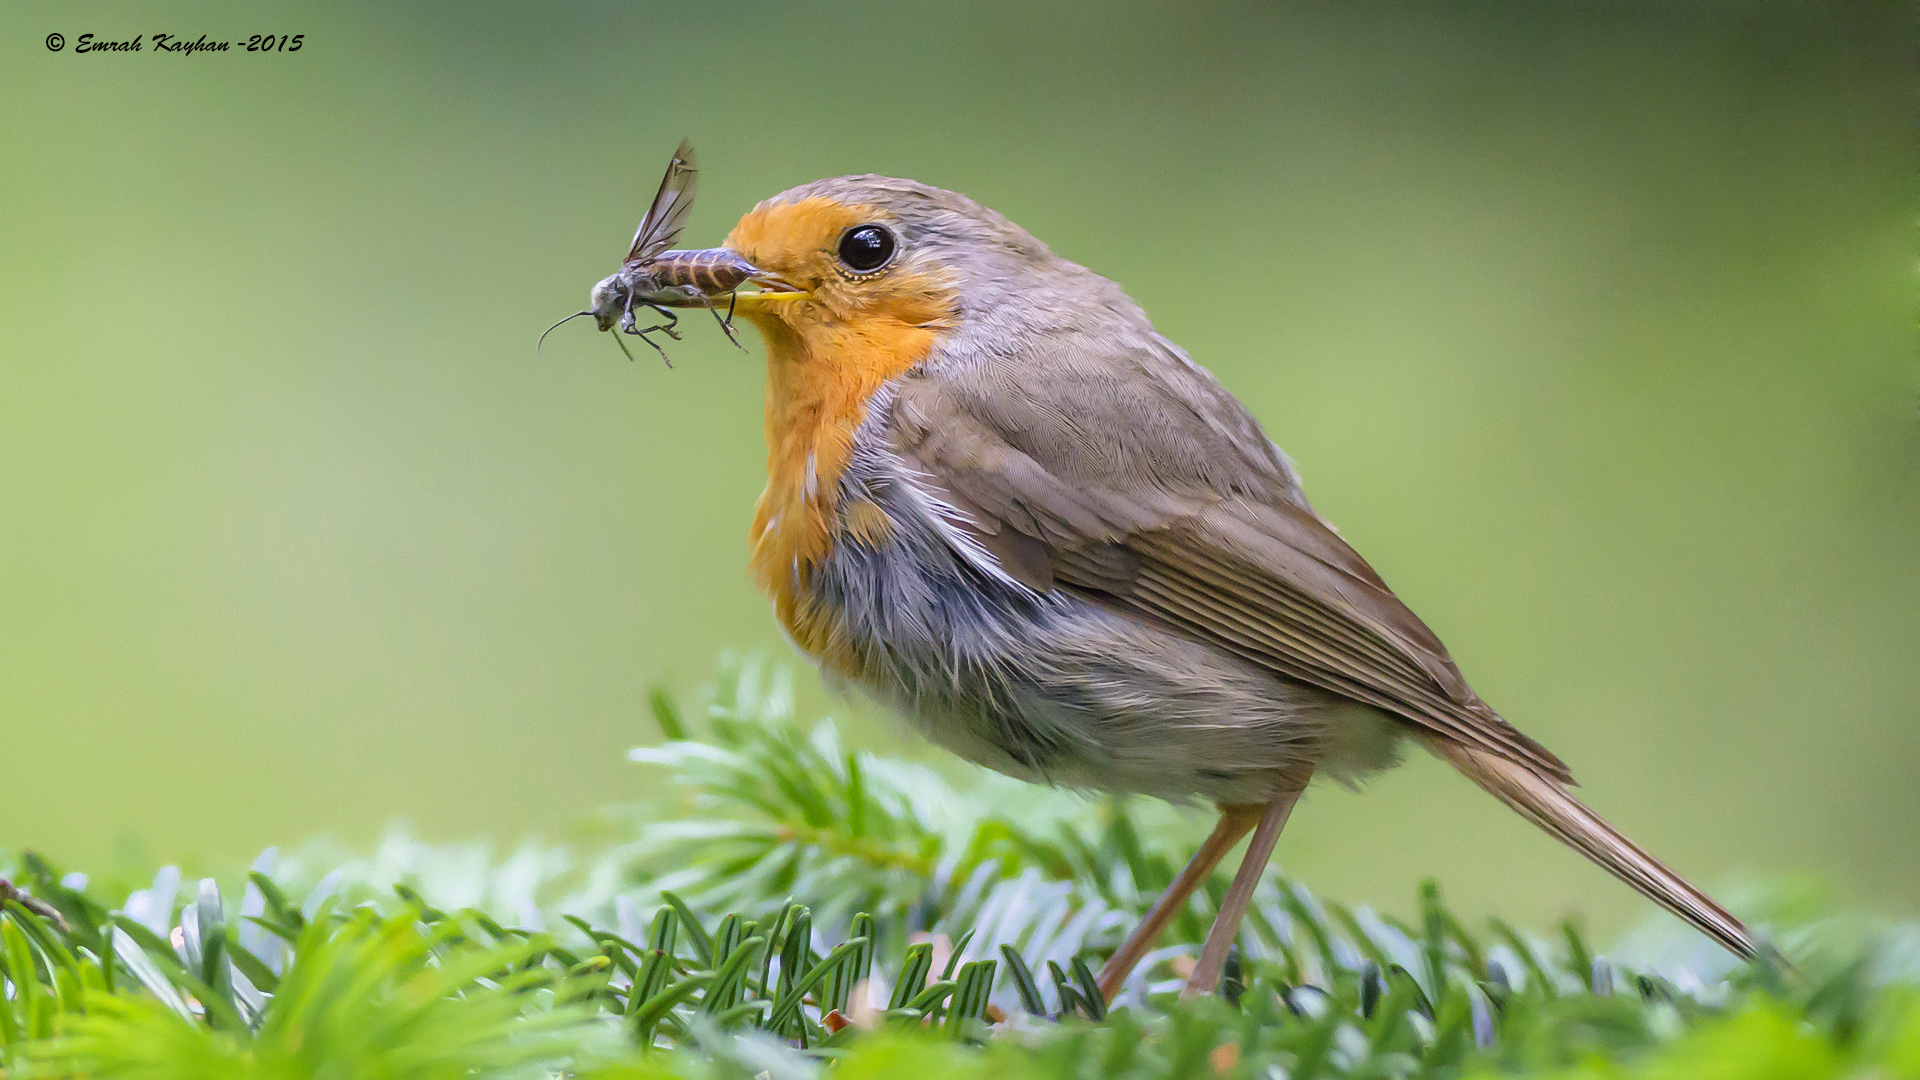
<point x="627" y="326"/>
<point x="673" y="320"/>
<point x="666" y="327"/>
<point x="726" y="324"/>
<point x="643" y="336"/>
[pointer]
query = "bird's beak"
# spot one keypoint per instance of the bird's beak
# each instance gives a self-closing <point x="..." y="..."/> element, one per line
<point x="719" y="274"/>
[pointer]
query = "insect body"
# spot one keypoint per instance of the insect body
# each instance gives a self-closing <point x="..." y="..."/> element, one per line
<point x="673" y="279"/>
<point x="652" y="278"/>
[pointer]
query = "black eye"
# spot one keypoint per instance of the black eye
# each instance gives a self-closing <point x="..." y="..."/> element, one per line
<point x="866" y="247"/>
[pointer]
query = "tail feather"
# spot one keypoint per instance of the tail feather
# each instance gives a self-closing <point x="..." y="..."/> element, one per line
<point x="1545" y="802"/>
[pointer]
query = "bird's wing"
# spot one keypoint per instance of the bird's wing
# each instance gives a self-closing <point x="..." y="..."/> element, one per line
<point x="1131" y="478"/>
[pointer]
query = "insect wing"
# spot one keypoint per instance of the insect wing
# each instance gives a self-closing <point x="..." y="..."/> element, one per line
<point x="668" y="214"/>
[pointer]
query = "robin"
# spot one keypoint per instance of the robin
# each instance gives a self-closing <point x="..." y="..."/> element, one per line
<point x="1002" y="504"/>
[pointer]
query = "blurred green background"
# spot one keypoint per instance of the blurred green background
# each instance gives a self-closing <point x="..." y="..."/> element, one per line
<point x="1590" y="325"/>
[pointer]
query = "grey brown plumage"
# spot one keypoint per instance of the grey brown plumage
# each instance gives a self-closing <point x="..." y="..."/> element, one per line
<point x="1242" y="562"/>
<point x="1000" y="502"/>
<point x="1235" y="557"/>
<point x="1547" y="804"/>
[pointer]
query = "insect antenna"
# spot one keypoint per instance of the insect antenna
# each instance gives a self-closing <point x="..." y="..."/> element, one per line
<point x="555" y="326"/>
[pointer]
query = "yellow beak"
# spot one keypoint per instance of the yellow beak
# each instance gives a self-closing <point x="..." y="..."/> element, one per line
<point x="761" y="301"/>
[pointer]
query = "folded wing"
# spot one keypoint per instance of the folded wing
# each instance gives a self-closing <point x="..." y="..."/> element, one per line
<point x="1133" y="480"/>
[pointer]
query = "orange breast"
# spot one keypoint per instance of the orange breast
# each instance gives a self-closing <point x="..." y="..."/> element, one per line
<point x="820" y="375"/>
<point x="826" y="356"/>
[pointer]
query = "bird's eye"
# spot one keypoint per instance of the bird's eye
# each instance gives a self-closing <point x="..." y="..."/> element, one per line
<point x="866" y="247"/>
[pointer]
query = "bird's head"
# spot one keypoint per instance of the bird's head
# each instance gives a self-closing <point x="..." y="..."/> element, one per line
<point x="877" y="252"/>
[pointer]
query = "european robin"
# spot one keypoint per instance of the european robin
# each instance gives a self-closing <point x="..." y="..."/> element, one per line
<point x="1000" y="503"/>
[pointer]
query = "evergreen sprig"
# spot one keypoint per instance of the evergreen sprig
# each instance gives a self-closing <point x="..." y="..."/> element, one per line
<point x="825" y="910"/>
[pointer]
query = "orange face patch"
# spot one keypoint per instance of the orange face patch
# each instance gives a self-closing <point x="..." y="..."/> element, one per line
<point x="797" y="239"/>
<point x="826" y="356"/>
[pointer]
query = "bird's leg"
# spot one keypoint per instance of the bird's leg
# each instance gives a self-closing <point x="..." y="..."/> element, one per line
<point x="1226" y="924"/>
<point x="1234" y="823"/>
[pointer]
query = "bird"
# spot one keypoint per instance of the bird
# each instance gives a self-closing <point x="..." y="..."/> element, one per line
<point x="1003" y="505"/>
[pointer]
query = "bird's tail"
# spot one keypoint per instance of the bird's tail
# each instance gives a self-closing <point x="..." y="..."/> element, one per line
<point x="1545" y="802"/>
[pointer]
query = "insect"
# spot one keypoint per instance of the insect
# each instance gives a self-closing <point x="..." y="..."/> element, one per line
<point x="653" y="278"/>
